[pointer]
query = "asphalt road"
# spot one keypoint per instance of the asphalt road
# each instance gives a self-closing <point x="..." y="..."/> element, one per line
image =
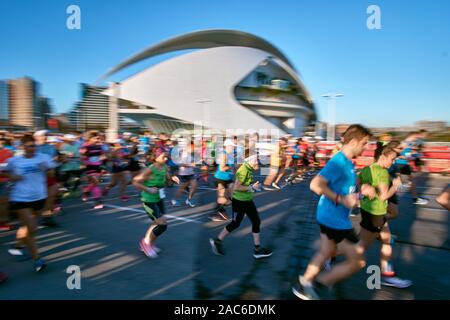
<point x="104" y="244"/>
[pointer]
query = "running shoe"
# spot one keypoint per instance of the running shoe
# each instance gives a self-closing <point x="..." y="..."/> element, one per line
<point x="223" y="215"/>
<point x="276" y="186"/>
<point x="39" y="265"/>
<point x="216" y="246"/>
<point x="262" y="253"/>
<point x="3" y="277"/>
<point x="305" y="290"/>
<point x="99" y="205"/>
<point x="19" y="253"/>
<point x="217" y="218"/>
<point x="268" y="188"/>
<point x="396" y="282"/>
<point x="175" y="203"/>
<point x="5" y="227"/>
<point x="190" y="203"/>
<point x="421" y="201"/>
<point x="84" y="198"/>
<point x="148" y="250"/>
<point x="124" y="198"/>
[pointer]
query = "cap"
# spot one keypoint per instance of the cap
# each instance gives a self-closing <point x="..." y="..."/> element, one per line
<point x="69" y="137"/>
<point x="228" y="142"/>
<point x="40" y="133"/>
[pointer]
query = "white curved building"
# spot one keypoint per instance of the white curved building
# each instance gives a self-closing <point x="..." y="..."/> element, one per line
<point x="234" y="80"/>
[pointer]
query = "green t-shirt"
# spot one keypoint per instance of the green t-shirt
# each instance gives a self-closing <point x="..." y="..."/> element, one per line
<point x="158" y="180"/>
<point x="245" y="176"/>
<point x="374" y="175"/>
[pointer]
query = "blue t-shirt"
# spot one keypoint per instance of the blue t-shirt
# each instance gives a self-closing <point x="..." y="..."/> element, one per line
<point x="47" y="149"/>
<point x="341" y="177"/>
<point x="226" y="175"/>
<point x="405" y="153"/>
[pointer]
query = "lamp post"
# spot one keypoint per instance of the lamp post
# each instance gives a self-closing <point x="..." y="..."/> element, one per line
<point x="331" y="134"/>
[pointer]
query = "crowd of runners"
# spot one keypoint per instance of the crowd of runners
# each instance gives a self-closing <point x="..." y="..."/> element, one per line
<point x="41" y="169"/>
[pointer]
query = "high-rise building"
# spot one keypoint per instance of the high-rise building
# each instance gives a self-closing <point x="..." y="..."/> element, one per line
<point x="4" y="103"/>
<point x="44" y="111"/>
<point x="92" y="111"/>
<point x="23" y="110"/>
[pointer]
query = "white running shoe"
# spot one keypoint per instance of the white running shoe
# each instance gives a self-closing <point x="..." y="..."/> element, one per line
<point x="190" y="203"/>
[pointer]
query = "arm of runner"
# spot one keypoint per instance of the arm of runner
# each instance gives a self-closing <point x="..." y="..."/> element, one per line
<point x="139" y="180"/>
<point x="223" y="163"/>
<point x="319" y="185"/>
<point x="8" y="172"/>
<point x="173" y="178"/>
<point x="386" y="192"/>
<point x="239" y="187"/>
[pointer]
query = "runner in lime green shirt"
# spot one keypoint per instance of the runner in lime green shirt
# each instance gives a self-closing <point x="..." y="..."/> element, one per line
<point x="242" y="204"/>
<point x="375" y="186"/>
<point x="151" y="181"/>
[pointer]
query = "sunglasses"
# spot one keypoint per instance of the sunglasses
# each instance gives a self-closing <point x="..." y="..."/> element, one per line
<point x="30" y="146"/>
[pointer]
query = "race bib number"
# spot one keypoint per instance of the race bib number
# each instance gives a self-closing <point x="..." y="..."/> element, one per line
<point x="162" y="193"/>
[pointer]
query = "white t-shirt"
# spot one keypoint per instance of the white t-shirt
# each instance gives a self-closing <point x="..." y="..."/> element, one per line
<point x="186" y="159"/>
<point x="33" y="185"/>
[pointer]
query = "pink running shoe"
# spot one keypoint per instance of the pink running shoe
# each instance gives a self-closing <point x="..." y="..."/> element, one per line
<point x="148" y="250"/>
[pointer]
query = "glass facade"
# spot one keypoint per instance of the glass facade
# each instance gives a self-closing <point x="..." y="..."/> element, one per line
<point x="4" y="101"/>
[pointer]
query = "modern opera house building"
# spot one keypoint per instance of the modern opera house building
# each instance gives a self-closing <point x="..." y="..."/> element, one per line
<point x="223" y="79"/>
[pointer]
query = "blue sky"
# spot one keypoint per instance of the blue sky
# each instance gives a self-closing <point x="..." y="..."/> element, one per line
<point x="390" y="77"/>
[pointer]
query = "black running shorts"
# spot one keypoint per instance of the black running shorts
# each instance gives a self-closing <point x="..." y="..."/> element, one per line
<point x="339" y="235"/>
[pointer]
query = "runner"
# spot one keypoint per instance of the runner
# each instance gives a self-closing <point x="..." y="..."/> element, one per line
<point x="374" y="208"/>
<point x="402" y="168"/>
<point x="243" y="204"/>
<point x="5" y="154"/>
<point x="93" y="156"/>
<point x="71" y="167"/>
<point x="42" y="146"/>
<point x="224" y="180"/>
<point x="335" y="184"/>
<point x="119" y="158"/>
<point x="28" y="173"/>
<point x="186" y="174"/>
<point x="133" y="158"/>
<point x="277" y="163"/>
<point x="151" y="181"/>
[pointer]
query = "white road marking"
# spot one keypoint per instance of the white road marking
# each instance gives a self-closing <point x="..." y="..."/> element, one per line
<point x="143" y="211"/>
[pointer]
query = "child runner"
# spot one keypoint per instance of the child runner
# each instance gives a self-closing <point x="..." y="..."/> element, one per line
<point x="151" y="181"/>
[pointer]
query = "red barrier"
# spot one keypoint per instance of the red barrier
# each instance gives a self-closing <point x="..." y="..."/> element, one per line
<point x="435" y="157"/>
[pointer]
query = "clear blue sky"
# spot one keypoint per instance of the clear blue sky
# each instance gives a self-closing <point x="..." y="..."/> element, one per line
<point x="393" y="76"/>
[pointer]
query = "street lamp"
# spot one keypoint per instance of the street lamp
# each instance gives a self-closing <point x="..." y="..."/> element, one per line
<point x="331" y="135"/>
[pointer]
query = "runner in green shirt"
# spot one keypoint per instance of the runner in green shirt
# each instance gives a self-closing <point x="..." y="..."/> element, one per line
<point x="242" y="204"/>
<point x="374" y="207"/>
<point x="152" y="181"/>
